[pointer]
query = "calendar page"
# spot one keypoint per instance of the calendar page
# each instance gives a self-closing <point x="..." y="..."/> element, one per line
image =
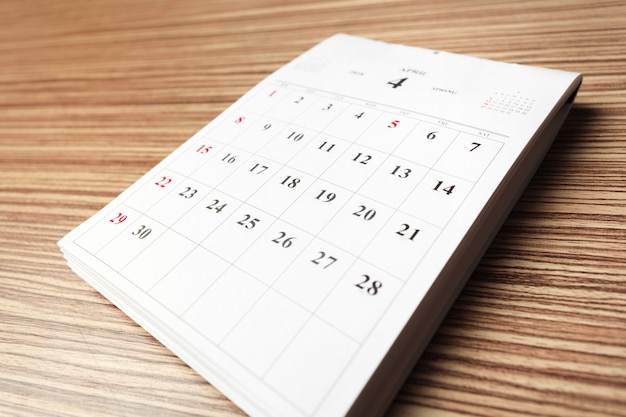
<point x="283" y="250"/>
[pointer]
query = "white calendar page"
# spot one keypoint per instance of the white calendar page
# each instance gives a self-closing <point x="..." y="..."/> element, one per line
<point x="282" y="249"/>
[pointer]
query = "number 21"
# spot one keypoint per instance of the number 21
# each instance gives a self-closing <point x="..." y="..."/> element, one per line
<point x="404" y="232"/>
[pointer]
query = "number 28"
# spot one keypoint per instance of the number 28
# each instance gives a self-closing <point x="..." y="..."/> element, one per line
<point x="371" y="288"/>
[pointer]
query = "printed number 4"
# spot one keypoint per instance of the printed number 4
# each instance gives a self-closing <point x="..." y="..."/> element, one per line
<point x="397" y="83"/>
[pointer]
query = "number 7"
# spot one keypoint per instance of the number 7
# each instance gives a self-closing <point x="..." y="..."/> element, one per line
<point x="474" y="146"/>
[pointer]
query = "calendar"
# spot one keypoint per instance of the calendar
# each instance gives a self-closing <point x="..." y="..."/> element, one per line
<point x="300" y="250"/>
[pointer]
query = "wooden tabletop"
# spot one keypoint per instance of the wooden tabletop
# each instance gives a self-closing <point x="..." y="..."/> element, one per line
<point x="94" y="93"/>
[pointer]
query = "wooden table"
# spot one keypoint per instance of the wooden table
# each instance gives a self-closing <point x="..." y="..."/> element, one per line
<point x="93" y="94"/>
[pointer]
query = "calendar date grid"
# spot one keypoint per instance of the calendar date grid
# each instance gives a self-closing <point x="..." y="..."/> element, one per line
<point x="371" y="278"/>
<point x="363" y="210"/>
<point x="398" y="169"/>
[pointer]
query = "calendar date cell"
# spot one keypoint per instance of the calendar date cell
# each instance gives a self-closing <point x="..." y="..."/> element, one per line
<point x="426" y="143"/>
<point x="354" y="167"/>
<point x="280" y="191"/>
<point x="249" y="177"/>
<point x="437" y="197"/>
<point x="319" y="154"/>
<point x="272" y="253"/>
<point x="359" y="300"/>
<point x="130" y="242"/>
<point x="110" y="226"/>
<point x="356" y="224"/>
<point x="401" y="245"/>
<point x="232" y="125"/>
<point x="397" y="175"/>
<point x="224" y="299"/>
<point x="313" y="274"/>
<point x="316" y="206"/>
<point x="157" y="259"/>
<point x="268" y="97"/>
<point x="468" y="156"/>
<point x="352" y="122"/>
<point x="195" y="155"/>
<point x="226" y="162"/>
<point x="318" y="115"/>
<point x="178" y="201"/>
<point x="293" y="105"/>
<point x="287" y="143"/>
<point x="387" y="132"/>
<point x="206" y="215"/>
<point x="306" y="382"/>
<point x="153" y="190"/>
<point x="266" y="330"/>
<point x="190" y="278"/>
<point x="261" y="131"/>
<point x="238" y="232"/>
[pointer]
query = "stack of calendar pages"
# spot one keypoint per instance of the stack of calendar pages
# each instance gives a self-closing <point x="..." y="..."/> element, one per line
<point x="301" y="249"/>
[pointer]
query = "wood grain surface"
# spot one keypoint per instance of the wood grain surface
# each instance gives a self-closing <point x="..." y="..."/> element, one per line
<point x="94" y="93"/>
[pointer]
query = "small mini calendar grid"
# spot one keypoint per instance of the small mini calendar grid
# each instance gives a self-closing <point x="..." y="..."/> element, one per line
<point x="302" y="214"/>
<point x="509" y="103"/>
